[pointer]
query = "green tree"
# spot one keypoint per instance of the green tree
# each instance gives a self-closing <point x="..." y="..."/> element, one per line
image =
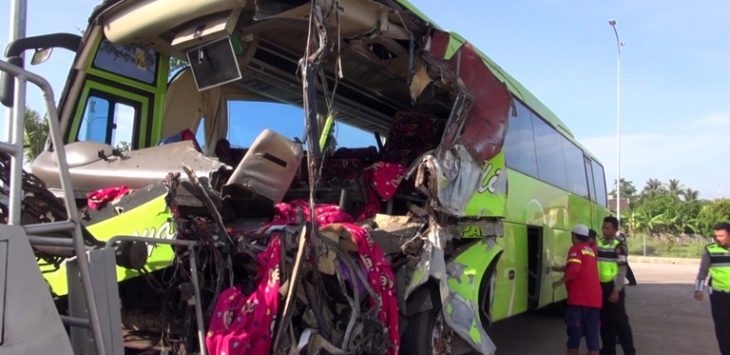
<point x="690" y="195"/>
<point x="123" y="146"/>
<point x="711" y="214"/>
<point x="640" y="221"/>
<point x="675" y="187"/>
<point x="628" y="189"/>
<point x="35" y="134"/>
<point x="653" y="186"/>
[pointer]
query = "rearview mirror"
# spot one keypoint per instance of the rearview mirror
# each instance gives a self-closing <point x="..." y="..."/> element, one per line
<point x="41" y="55"/>
<point x="42" y="45"/>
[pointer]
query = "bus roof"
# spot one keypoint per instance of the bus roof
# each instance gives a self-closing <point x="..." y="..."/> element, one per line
<point x="455" y="42"/>
<point x="514" y="86"/>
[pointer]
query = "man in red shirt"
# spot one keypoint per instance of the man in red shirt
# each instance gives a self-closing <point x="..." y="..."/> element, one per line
<point x="584" y="293"/>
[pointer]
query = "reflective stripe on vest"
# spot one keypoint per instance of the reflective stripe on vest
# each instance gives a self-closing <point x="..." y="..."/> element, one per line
<point x="719" y="267"/>
<point x="607" y="260"/>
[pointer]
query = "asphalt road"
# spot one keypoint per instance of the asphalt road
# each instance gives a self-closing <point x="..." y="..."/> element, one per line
<point x="665" y="317"/>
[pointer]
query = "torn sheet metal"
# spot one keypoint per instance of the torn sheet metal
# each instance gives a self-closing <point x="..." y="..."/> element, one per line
<point x="142" y="213"/>
<point x="459" y="283"/>
<point x="93" y="170"/>
<point x="465" y="278"/>
<point x="431" y="261"/>
<point x="468" y="170"/>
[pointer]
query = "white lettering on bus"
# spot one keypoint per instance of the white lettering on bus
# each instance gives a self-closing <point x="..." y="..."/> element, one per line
<point x="164" y="231"/>
<point x="489" y="180"/>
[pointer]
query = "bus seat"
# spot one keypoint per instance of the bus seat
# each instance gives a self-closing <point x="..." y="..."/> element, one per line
<point x="411" y="135"/>
<point x="268" y="167"/>
<point x="184" y="135"/>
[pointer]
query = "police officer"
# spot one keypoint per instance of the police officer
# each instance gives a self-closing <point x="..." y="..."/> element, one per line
<point x="629" y="273"/>
<point x="612" y="274"/>
<point x="716" y="262"/>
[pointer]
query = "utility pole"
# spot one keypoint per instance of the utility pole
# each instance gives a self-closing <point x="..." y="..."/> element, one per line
<point x="18" y="17"/>
<point x="619" y="44"/>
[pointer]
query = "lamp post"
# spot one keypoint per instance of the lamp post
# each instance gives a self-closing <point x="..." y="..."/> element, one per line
<point x="17" y="19"/>
<point x="619" y="44"/>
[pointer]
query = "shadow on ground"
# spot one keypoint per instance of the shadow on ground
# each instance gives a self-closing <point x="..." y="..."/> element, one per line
<point x="666" y="319"/>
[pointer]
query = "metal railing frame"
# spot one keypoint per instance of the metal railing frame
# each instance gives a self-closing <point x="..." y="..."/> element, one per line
<point x="15" y="126"/>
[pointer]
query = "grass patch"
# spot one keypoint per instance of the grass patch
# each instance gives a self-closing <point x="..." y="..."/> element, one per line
<point x="669" y="246"/>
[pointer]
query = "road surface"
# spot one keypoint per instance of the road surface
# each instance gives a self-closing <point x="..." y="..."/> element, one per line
<point x="665" y="317"/>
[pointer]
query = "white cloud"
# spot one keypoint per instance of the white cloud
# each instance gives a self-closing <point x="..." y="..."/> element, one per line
<point x="697" y="154"/>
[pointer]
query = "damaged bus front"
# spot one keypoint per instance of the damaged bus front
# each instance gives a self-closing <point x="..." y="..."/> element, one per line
<point x="358" y="180"/>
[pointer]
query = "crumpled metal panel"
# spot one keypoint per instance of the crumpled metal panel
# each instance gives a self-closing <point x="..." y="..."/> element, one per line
<point x="459" y="283"/>
<point x="468" y="168"/>
<point x="455" y="178"/>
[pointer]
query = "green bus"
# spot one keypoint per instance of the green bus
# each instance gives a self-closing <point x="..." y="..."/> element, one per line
<point x="496" y="177"/>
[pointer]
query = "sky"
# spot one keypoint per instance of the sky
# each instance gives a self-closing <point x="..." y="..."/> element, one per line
<point x="675" y="70"/>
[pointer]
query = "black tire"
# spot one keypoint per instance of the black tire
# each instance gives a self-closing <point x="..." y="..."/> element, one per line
<point x="417" y="338"/>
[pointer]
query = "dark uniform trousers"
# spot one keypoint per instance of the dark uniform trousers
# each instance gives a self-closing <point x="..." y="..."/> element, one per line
<point x="615" y="323"/>
<point x="720" y="302"/>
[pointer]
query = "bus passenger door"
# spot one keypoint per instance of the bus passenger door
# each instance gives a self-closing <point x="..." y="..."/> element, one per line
<point x="544" y="247"/>
<point x="560" y="243"/>
<point x="535" y="266"/>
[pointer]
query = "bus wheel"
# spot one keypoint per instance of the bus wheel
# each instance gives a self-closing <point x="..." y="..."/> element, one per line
<point x="442" y="336"/>
<point x="428" y="334"/>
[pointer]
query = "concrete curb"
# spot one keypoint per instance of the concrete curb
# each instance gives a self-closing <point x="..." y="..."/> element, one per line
<point x="660" y="260"/>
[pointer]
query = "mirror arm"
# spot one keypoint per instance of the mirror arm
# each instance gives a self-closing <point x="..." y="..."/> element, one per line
<point x="15" y="49"/>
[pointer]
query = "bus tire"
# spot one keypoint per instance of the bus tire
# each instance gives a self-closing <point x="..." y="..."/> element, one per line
<point x="417" y="338"/>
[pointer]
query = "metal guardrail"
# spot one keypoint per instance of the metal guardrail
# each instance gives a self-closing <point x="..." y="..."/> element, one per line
<point x="14" y="148"/>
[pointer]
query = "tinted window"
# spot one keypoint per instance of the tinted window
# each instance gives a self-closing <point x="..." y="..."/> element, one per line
<point x="550" y="161"/>
<point x="574" y="168"/>
<point x="129" y="61"/>
<point x="108" y="121"/>
<point x="519" y="145"/>
<point x="591" y="186"/>
<point x="600" y="184"/>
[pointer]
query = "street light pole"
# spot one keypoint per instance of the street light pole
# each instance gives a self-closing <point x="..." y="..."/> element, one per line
<point x="17" y="20"/>
<point x="619" y="44"/>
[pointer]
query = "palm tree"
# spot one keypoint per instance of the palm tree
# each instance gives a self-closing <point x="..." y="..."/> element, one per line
<point x="675" y="187"/>
<point x="690" y="195"/>
<point x="653" y="186"/>
<point x="35" y="135"/>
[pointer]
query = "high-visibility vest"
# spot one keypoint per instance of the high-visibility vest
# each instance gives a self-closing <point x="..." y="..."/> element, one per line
<point x="719" y="267"/>
<point x="607" y="259"/>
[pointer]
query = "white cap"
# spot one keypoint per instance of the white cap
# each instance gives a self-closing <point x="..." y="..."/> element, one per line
<point x="581" y="229"/>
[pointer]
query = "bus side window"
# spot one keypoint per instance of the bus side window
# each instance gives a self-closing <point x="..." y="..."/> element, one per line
<point x="519" y="145"/>
<point x="108" y="121"/>
<point x="590" y="179"/>
<point x="599" y="180"/>
<point x="575" y="171"/>
<point x="550" y="161"/>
